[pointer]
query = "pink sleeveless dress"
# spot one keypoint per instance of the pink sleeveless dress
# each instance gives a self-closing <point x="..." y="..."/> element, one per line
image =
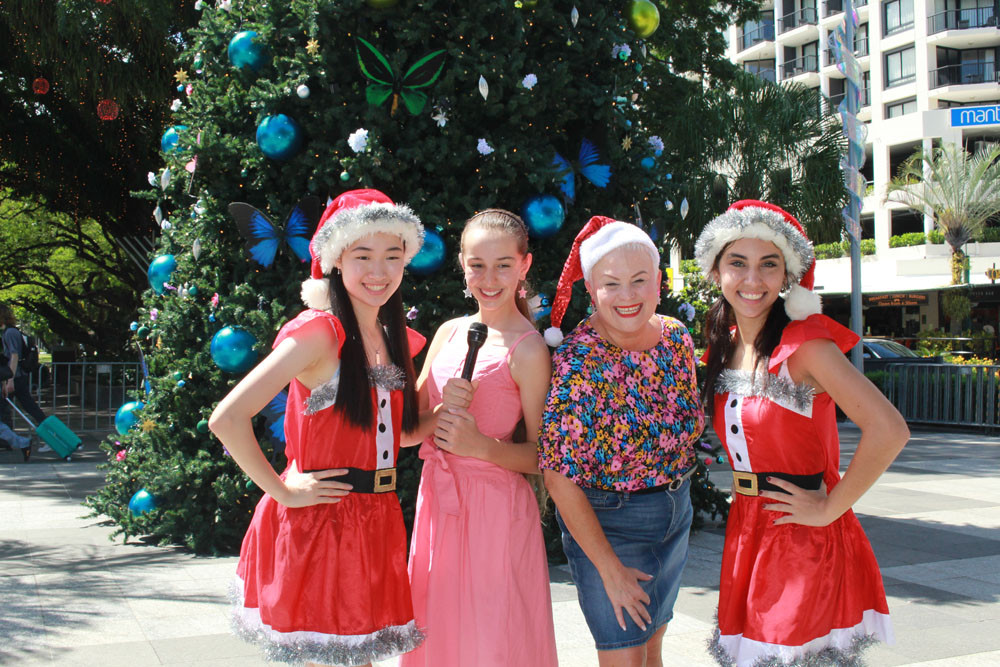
<point x="478" y="570"/>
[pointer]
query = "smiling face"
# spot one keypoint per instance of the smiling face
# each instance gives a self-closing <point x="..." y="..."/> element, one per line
<point x="625" y="288"/>
<point x="751" y="273"/>
<point x="494" y="267"/>
<point x="372" y="269"/>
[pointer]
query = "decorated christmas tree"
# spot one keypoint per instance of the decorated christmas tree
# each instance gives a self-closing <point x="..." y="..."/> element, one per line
<point x="535" y="106"/>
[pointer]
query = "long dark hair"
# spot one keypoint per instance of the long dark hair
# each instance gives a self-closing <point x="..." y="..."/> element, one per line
<point x="718" y="322"/>
<point x="354" y="392"/>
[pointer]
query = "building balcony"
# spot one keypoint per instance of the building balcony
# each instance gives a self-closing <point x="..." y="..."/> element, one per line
<point x="831" y="7"/>
<point x="806" y="67"/>
<point x="802" y="17"/>
<point x="962" y="19"/>
<point x="964" y="74"/>
<point x="766" y="74"/>
<point x="860" y="51"/>
<point x="763" y="33"/>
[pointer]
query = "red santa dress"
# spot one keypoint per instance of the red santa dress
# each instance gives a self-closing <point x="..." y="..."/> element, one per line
<point x="328" y="583"/>
<point x="791" y="594"/>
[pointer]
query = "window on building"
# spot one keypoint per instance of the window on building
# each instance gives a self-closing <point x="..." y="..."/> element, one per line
<point x="866" y="92"/>
<point x="861" y="40"/>
<point x="897" y="15"/>
<point x="763" y="68"/>
<point x="963" y="66"/>
<point x="759" y="30"/>
<point x="900" y="67"/>
<point x="901" y="107"/>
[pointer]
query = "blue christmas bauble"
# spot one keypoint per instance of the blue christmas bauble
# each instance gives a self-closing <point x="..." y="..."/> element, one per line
<point x="160" y="270"/>
<point x="246" y="51"/>
<point x="134" y="326"/>
<point x="431" y="255"/>
<point x="142" y="501"/>
<point x="647" y="163"/>
<point x="169" y="140"/>
<point x="232" y="349"/>
<point x="544" y="215"/>
<point x="126" y="416"/>
<point x="279" y="137"/>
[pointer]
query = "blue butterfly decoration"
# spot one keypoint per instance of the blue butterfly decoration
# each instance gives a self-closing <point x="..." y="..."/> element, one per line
<point x="598" y="174"/>
<point x="263" y="238"/>
<point x="274" y="415"/>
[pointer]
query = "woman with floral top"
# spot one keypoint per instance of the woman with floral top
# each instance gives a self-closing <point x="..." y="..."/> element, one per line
<point x="616" y="442"/>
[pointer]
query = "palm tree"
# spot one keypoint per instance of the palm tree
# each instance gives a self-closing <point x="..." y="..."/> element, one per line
<point x="958" y="190"/>
<point x="779" y="146"/>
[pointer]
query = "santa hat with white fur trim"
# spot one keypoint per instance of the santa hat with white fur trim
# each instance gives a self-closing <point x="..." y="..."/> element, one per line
<point x="354" y="215"/>
<point x="749" y="218"/>
<point x="598" y="237"/>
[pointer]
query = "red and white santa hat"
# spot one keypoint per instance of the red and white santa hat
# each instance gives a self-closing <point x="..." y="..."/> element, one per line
<point x="354" y="215"/>
<point x="598" y="237"/>
<point x="749" y="218"/>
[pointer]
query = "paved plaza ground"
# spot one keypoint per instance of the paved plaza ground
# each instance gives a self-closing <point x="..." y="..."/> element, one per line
<point x="69" y="596"/>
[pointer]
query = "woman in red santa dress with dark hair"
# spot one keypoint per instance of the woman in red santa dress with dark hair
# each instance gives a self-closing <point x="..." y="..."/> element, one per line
<point x="799" y="583"/>
<point x="322" y="573"/>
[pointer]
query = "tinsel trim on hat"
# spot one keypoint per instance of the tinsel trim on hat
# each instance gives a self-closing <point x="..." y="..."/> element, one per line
<point x="297" y="648"/>
<point x="759" y="223"/>
<point x="348" y="225"/>
<point x="773" y="387"/>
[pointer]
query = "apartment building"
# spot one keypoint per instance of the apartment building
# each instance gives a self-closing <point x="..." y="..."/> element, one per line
<point x="930" y="77"/>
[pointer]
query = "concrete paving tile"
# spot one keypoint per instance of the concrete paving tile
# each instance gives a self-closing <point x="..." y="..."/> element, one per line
<point x="202" y="647"/>
<point x="77" y="632"/>
<point x="977" y="522"/>
<point x="947" y="641"/>
<point x="189" y="624"/>
<point x="987" y="659"/>
<point x="118" y="654"/>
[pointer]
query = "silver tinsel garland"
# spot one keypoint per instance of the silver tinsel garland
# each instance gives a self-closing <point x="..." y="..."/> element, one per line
<point x="385" y="376"/>
<point x="336" y="650"/>
<point x="766" y="385"/>
<point x="827" y="657"/>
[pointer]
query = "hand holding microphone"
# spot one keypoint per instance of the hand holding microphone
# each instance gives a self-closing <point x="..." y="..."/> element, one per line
<point x="457" y="392"/>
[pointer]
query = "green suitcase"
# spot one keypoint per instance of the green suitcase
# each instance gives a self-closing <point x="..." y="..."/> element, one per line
<point x="56" y="435"/>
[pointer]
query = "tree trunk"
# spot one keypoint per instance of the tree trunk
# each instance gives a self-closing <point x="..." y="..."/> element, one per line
<point x="958" y="262"/>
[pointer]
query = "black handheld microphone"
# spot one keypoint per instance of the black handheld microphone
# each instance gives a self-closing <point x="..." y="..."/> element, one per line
<point x="476" y="338"/>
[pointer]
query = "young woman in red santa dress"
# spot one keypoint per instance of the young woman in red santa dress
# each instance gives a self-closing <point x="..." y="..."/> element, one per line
<point x="322" y="572"/>
<point x="799" y="583"/>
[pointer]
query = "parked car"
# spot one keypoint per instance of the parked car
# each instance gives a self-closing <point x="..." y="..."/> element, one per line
<point x="880" y="352"/>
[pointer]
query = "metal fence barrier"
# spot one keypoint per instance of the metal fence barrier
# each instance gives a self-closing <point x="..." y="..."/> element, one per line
<point x="85" y="395"/>
<point x="947" y="394"/>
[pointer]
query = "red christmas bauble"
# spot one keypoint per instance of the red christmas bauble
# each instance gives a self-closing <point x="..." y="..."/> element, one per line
<point x="40" y="85"/>
<point x="104" y="2"/>
<point x="107" y="110"/>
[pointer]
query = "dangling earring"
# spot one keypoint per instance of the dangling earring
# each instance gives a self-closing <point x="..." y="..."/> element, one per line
<point x="467" y="291"/>
<point x="522" y="291"/>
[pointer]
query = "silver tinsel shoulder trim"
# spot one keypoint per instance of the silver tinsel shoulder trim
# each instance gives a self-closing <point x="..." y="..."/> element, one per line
<point x="323" y="396"/>
<point x="766" y="385"/>
<point x="297" y="648"/>
<point x="387" y="376"/>
<point x="827" y="657"/>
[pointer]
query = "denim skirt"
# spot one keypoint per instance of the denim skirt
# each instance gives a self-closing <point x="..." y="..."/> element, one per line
<point x="647" y="531"/>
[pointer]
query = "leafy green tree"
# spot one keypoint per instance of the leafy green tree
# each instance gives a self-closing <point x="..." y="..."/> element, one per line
<point x="775" y="144"/>
<point x="519" y="83"/>
<point x="958" y="190"/>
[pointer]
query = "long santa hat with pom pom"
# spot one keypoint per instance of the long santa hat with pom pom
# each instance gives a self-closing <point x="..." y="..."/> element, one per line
<point x="352" y="216"/>
<point x="598" y="237"/>
<point x="749" y="218"/>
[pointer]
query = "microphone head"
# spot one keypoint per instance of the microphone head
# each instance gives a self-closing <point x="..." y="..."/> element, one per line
<point x="477" y="334"/>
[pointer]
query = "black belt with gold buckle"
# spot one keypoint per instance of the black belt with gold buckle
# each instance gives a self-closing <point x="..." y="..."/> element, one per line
<point x="382" y="480"/>
<point x="752" y="483"/>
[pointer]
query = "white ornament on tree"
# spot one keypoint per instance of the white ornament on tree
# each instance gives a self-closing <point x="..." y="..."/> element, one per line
<point x="302" y="91"/>
<point x="484" y="88"/>
<point x="684" y="208"/>
<point x="165" y="179"/>
<point x="196" y="249"/>
<point x="574" y="16"/>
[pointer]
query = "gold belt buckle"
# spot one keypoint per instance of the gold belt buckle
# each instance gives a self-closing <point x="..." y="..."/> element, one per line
<point x="745" y="483"/>
<point x="385" y="480"/>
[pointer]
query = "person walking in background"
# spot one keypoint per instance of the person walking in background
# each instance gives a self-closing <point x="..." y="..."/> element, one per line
<point x="617" y="442"/>
<point x="799" y="582"/>
<point x="19" y="386"/>
<point x="477" y="558"/>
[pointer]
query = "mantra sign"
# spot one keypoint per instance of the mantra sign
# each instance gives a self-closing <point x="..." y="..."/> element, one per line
<point x="966" y="116"/>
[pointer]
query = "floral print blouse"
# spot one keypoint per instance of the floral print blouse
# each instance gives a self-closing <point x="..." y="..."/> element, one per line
<point x="622" y="420"/>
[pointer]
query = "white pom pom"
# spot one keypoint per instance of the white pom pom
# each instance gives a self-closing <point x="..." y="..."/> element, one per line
<point x="316" y="293"/>
<point x="801" y="303"/>
<point x="553" y="337"/>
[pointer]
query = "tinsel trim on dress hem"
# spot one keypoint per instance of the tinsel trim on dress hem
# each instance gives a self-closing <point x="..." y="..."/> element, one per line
<point x="297" y="648"/>
<point x="827" y="656"/>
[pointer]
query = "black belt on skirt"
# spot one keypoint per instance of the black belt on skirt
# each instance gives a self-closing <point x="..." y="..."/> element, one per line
<point x="752" y="483"/>
<point x="367" y="481"/>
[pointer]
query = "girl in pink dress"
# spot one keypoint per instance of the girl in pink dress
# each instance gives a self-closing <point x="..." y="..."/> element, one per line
<point x="799" y="584"/>
<point x="478" y="569"/>
<point x="322" y="571"/>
